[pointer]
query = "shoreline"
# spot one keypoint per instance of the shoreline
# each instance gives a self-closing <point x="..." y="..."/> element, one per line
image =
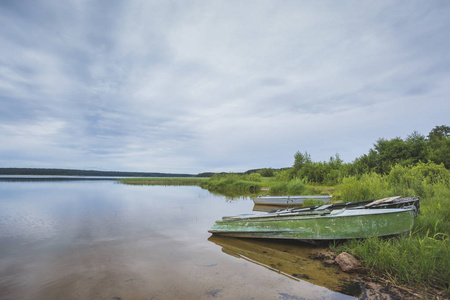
<point x="375" y="285"/>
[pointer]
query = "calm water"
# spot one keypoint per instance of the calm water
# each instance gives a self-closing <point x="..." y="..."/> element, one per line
<point x="105" y="240"/>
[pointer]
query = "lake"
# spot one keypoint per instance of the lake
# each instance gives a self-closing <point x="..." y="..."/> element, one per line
<point x="101" y="239"/>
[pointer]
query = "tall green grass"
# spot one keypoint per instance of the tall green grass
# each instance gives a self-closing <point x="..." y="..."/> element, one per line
<point x="366" y="187"/>
<point x="163" y="181"/>
<point x="423" y="257"/>
<point x="423" y="260"/>
<point x="292" y="187"/>
<point x="226" y="183"/>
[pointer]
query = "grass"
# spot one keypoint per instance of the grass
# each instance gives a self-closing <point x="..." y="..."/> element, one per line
<point x="233" y="183"/>
<point x="414" y="260"/>
<point x="423" y="257"/>
<point x="164" y="181"/>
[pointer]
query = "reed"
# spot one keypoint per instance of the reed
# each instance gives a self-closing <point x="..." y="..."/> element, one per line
<point x="413" y="259"/>
<point x="163" y="181"/>
<point x="226" y="183"/>
<point x="423" y="257"/>
<point x="366" y="187"/>
<point x="279" y="188"/>
<point x="295" y="187"/>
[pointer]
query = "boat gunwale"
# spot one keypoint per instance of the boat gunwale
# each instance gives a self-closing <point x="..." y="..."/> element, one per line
<point x="266" y="218"/>
<point x="247" y="234"/>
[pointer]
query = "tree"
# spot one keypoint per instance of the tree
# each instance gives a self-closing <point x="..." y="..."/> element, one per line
<point x="300" y="160"/>
<point x="389" y="153"/>
<point x="439" y="132"/>
<point x="418" y="149"/>
<point x="267" y="172"/>
<point x="439" y="143"/>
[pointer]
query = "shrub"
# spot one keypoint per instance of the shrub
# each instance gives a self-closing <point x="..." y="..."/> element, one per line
<point x="267" y="172"/>
<point x="295" y="187"/>
<point x="406" y="181"/>
<point x="283" y="175"/>
<point x="255" y="177"/>
<point x="369" y="186"/>
<point x="279" y="188"/>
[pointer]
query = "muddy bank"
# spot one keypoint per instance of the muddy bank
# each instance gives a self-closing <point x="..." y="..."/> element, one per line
<point x="375" y="285"/>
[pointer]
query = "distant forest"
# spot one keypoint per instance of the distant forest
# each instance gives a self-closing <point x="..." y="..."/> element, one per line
<point x="69" y="172"/>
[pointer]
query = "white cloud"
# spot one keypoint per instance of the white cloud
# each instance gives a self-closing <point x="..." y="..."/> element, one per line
<point x="172" y="86"/>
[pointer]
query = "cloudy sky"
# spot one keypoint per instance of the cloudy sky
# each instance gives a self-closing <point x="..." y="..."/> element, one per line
<point x="196" y="86"/>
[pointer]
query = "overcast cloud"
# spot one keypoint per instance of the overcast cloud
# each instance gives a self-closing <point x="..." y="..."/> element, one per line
<point x="195" y="86"/>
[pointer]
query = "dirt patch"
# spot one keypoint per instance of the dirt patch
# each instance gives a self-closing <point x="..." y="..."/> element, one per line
<point x="375" y="286"/>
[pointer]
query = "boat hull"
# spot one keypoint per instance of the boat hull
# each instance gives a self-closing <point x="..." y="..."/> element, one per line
<point x="287" y="200"/>
<point x="337" y="225"/>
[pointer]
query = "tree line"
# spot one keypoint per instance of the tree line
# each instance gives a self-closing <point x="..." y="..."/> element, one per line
<point x="432" y="150"/>
<point x="70" y="172"/>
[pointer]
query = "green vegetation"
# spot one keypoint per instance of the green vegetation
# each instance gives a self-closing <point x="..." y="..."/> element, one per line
<point x="385" y="154"/>
<point x="423" y="260"/>
<point x="234" y="183"/>
<point x="163" y="181"/>
<point x="420" y="259"/>
<point x="416" y="166"/>
<point x="423" y="257"/>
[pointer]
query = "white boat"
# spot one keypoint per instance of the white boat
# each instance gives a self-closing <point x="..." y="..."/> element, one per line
<point x="288" y="200"/>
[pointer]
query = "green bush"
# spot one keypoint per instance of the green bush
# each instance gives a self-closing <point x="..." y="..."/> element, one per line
<point x="245" y="184"/>
<point x="406" y="181"/>
<point x="295" y="187"/>
<point x="267" y="172"/>
<point x="367" y="187"/>
<point x="279" y="188"/>
<point x="283" y="175"/>
<point x="433" y="173"/>
<point x="255" y="177"/>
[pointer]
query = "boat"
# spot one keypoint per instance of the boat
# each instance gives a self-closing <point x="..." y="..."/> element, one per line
<point x="318" y="224"/>
<point x="288" y="200"/>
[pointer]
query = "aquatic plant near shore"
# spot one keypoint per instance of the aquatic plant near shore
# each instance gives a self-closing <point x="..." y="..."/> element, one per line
<point x="423" y="260"/>
<point x="163" y="181"/>
<point x="233" y="182"/>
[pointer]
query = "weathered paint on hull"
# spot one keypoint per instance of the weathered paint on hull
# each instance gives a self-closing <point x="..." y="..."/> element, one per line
<point x="287" y="200"/>
<point x="335" y="226"/>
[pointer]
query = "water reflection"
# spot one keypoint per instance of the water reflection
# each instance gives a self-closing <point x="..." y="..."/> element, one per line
<point x="103" y="240"/>
<point x="288" y="258"/>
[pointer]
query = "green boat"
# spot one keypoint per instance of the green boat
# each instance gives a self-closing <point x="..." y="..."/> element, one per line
<point x="318" y="225"/>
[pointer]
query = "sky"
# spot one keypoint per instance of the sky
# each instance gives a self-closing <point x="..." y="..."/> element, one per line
<point x="211" y="86"/>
